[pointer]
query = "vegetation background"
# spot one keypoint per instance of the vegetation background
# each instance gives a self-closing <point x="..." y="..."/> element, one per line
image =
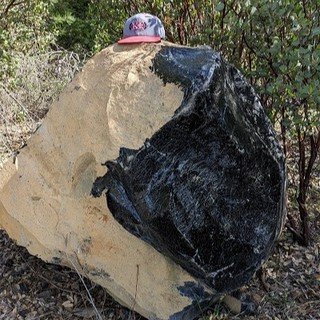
<point x="275" y="43"/>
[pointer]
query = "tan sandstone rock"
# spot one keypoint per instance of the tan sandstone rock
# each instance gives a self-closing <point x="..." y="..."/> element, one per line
<point x="45" y="202"/>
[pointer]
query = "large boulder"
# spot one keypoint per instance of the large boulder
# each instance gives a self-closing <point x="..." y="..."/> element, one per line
<point x="195" y="181"/>
<point x="208" y="188"/>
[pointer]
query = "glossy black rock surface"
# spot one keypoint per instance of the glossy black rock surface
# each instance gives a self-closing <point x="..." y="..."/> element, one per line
<point x="207" y="189"/>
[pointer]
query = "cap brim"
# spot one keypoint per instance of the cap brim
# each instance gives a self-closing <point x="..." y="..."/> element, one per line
<point x="139" y="39"/>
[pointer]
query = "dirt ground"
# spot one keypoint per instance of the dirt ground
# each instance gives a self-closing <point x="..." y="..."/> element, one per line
<point x="31" y="289"/>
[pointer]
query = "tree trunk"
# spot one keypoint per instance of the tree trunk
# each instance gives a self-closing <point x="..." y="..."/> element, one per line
<point x="305" y="171"/>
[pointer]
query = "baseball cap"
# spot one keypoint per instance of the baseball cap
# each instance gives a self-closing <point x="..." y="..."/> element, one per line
<point x="142" y="27"/>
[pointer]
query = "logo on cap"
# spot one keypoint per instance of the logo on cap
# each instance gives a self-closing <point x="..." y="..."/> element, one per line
<point x="137" y="24"/>
<point x="142" y="27"/>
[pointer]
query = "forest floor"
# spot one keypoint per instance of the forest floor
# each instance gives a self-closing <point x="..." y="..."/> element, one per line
<point x="31" y="289"/>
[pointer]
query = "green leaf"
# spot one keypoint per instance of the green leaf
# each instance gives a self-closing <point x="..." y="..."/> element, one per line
<point x="220" y="6"/>
<point x="283" y="68"/>
<point x="316" y="31"/>
<point x="253" y="10"/>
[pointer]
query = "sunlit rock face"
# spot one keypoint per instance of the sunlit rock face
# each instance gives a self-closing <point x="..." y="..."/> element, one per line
<point x="208" y="188"/>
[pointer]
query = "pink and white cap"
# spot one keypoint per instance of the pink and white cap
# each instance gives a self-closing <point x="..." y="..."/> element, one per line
<point x="142" y="27"/>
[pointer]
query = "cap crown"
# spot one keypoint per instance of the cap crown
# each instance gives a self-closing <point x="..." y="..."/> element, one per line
<point x="143" y="24"/>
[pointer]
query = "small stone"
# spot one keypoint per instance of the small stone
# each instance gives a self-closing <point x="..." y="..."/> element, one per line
<point x="46" y="295"/>
<point x="233" y="304"/>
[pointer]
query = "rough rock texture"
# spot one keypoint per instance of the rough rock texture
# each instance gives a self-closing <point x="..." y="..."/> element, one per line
<point x="45" y="201"/>
<point x="208" y="188"/>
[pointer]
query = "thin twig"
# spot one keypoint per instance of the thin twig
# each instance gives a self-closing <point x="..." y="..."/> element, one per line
<point x="85" y="286"/>
<point x="44" y="278"/>
<point x="17" y="102"/>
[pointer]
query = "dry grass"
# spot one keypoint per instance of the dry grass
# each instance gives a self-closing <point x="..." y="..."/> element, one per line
<point x="26" y="97"/>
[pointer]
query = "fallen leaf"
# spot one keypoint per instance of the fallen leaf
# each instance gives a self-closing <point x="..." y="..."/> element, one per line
<point x="68" y="304"/>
